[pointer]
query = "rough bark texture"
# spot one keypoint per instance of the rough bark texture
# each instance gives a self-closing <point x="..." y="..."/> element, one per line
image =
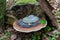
<point x="48" y="11"/>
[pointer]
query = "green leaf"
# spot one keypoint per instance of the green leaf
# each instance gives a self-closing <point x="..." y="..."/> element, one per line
<point x="8" y="34"/>
<point x="47" y="28"/>
<point x="58" y="13"/>
<point x="33" y="37"/>
<point x="52" y="38"/>
<point x="43" y="21"/>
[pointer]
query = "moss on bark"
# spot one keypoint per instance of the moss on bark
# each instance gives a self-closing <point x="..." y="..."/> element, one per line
<point x="2" y="12"/>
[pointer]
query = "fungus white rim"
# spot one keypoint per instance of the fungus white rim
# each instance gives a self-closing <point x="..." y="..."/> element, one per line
<point x="30" y="30"/>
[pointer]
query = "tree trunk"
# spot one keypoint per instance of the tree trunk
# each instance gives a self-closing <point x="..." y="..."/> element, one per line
<point x="48" y="11"/>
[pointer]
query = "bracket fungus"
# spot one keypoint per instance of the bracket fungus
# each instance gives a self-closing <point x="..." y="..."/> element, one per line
<point x="29" y="24"/>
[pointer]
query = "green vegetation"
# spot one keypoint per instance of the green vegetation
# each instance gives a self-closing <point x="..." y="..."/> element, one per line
<point x="48" y="28"/>
<point x="54" y="36"/>
<point x="58" y="13"/>
<point x="58" y="21"/>
<point x="26" y="1"/>
<point x="36" y="36"/>
<point x="2" y="12"/>
<point x="43" y="34"/>
<point x="6" y="36"/>
<point x="43" y="21"/>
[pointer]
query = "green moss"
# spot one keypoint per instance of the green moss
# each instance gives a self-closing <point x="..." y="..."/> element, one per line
<point x="26" y="1"/>
<point x="2" y="12"/>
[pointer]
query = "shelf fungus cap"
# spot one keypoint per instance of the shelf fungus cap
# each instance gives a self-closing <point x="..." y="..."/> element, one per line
<point x="30" y="19"/>
<point x="28" y="30"/>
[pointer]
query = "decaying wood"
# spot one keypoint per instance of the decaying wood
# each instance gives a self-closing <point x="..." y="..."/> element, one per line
<point x="48" y="11"/>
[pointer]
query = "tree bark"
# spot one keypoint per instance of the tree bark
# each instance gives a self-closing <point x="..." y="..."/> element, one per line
<point x="48" y="11"/>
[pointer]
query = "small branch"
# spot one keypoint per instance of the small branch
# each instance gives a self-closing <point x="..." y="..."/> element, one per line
<point x="11" y="16"/>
